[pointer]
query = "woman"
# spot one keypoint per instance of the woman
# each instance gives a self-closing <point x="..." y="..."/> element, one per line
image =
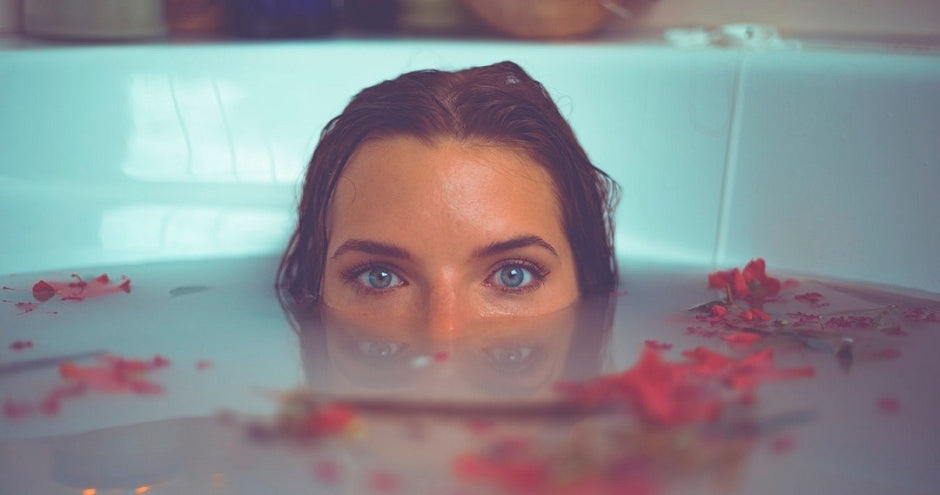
<point x="447" y="197"/>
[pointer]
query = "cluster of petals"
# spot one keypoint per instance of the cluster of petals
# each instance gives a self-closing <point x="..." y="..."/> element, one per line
<point x="79" y="289"/>
<point x="752" y="284"/>
<point x="115" y="374"/>
<point x="110" y="374"/>
<point x="686" y="392"/>
<point x="302" y="415"/>
<point x="656" y="392"/>
<point x="921" y="315"/>
<point x="521" y="467"/>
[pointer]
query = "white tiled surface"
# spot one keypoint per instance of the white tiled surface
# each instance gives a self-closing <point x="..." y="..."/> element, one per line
<point x="837" y="166"/>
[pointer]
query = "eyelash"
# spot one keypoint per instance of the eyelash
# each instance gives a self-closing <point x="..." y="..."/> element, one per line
<point x="539" y="273"/>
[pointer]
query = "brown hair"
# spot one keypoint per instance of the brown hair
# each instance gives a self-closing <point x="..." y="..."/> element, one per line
<point x="499" y="103"/>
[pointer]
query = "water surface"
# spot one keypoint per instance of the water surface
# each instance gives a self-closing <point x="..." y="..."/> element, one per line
<point x="221" y="355"/>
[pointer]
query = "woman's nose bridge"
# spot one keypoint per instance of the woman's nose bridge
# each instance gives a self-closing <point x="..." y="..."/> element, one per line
<point x="446" y="310"/>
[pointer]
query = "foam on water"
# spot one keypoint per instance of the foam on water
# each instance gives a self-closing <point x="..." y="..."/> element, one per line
<point x="866" y="426"/>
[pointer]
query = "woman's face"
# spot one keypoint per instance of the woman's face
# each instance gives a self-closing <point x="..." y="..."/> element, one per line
<point x="446" y="234"/>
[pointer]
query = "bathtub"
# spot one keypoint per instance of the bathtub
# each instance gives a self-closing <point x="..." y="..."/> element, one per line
<point x="177" y="165"/>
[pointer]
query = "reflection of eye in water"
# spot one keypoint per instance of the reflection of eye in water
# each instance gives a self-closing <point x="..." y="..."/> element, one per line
<point x="381" y="350"/>
<point x="512" y="359"/>
<point x="346" y="354"/>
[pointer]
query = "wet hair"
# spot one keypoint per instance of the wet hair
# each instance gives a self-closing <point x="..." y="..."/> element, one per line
<point x="499" y="104"/>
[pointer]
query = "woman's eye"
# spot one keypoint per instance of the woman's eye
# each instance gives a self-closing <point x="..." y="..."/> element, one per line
<point x="379" y="278"/>
<point x="515" y="276"/>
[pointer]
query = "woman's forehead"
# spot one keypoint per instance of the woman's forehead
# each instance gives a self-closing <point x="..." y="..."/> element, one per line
<point x="413" y="170"/>
<point x="446" y="151"/>
<point x="444" y="184"/>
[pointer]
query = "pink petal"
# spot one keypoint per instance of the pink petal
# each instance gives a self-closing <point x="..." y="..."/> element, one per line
<point x="889" y="405"/>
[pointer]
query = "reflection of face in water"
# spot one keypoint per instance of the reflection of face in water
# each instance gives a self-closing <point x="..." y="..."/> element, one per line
<point x="446" y="233"/>
<point x="498" y="358"/>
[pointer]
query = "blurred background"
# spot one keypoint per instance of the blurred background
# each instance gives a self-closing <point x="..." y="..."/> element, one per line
<point x="97" y="20"/>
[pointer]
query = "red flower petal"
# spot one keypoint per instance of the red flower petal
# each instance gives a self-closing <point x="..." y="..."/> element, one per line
<point x="326" y="472"/>
<point x="384" y="482"/>
<point x="479" y="426"/>
<point x="115" y="375"/>
<point x="330" y="419"/>
<point x="921" y="314"/>
<point x="719" y="280"/>
<point x="701" y="332"/>
<point x="739" y="285"/>
<point x="760" y="315"/>
<point x="657" y="345"/>
<point x="51" y="405"/>
<point x="25" y="307"/>
<point x="517" y="475"/>
<point x="19" y="345"/>
<point x="850" y="321"/>
<point x="782" y="444"/>
<point x="78" y="289"/>
<point x="750" y="284"/>
<point x="16" y="410"/>
<point x="889" y="405"/>
<point x="741" y="338"/>
<point x="894" y="331"/>
<point x="814" y="299"/>
<point x="42" y="291"/>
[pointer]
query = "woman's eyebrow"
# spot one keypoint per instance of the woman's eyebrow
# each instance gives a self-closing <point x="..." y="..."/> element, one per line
<point x="514" y="243"/>
<point x="371" y="247"/>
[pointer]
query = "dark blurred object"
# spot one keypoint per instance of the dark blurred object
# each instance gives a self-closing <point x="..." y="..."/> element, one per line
<point x="436" y="17"/>
<point x="10" y="14"/>
<point x="282" y="18"/>
<point x="94" y="19"/>
<point x="371" y="15"/>
<point x="547" y="19"/>
<point x="195" y="16"/>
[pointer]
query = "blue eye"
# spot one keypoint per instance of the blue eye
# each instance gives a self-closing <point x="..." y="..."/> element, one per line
<point x="379" y="278"/>
<point x="514" y="276"/>
<point x="517" y="276"/>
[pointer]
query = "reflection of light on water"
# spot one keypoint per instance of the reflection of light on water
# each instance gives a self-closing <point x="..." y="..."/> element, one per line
<point x="191" y="230"/>
<point x="218" y="480"/>
<point x="139" y="490"/>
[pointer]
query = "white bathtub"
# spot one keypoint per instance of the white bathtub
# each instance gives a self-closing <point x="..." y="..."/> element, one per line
<point x="823" y="159"/>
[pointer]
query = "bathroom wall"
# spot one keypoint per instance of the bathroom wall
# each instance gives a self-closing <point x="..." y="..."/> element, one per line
<point x="836" y="166"/>
<point x="9" y="16"/>
<point x="818" y="160"/>
<point x="119" y="154"/>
